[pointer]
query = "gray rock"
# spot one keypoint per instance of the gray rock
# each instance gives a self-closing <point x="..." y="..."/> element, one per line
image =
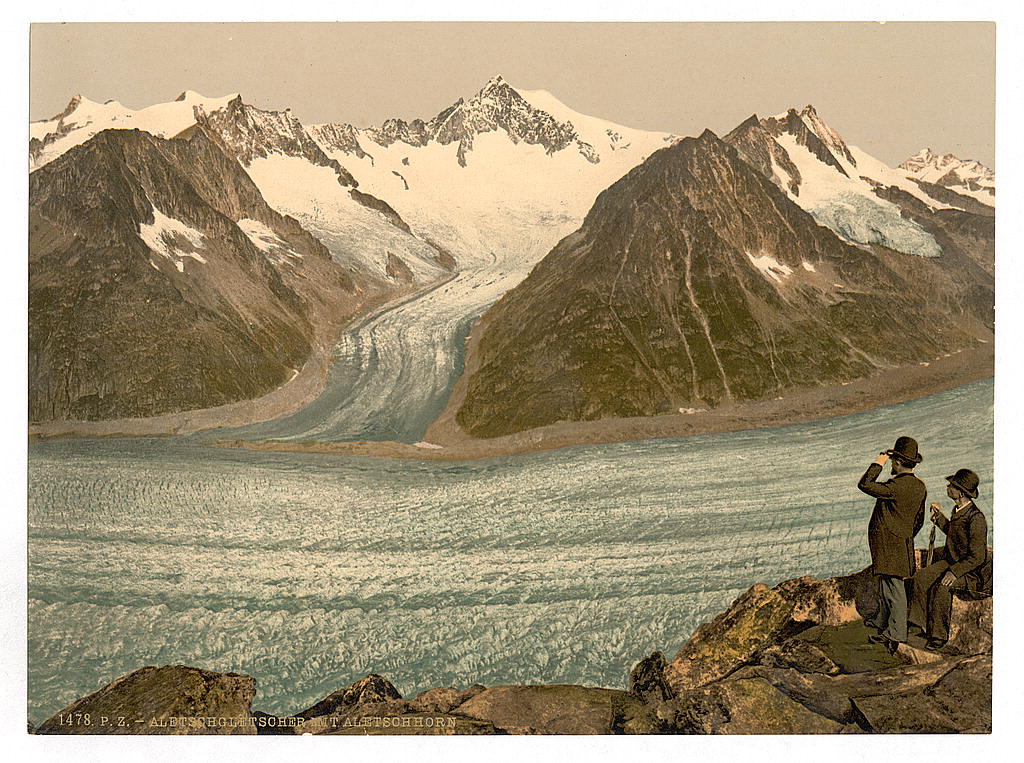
<point x="444" y="699"/>
<point x="562" y="709"/>
<point x="799" y="654"/>
<point x="647" y="679"/>
<point x="959" y="701"/>
<point x="174" y="699"/>
<point x="369" y="692"/>
<point x="748" y="705"/>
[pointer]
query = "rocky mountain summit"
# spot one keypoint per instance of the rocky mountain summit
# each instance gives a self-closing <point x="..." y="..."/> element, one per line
<point x="813" y="133"/>
<point x="496" y="106"/>
<point x="790" y="659"/>
<point x="248" y="133"/>
<point x="836" y="183"/>
<point x="695" y="281"/>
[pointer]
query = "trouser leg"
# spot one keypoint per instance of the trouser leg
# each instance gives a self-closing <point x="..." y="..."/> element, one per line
<point x="922" y="584"/>
<point x="940" y="611"/>
<point x="875" y="618"/>
<point x="893" y="601"/>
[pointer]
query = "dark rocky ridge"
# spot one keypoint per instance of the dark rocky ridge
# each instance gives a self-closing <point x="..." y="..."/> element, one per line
<point x="757" y="147"/>
<point x="248" y="133"/>
<point x="792" y="659"/>
<point x="951" y="197"/>
<point x="970" y="234"/>
<point x="655" y="303"/>
<point x="117" y="330"/>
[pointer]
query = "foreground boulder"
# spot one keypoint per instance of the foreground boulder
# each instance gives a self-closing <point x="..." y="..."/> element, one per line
<point x="562" y="709"/>
<point x="952" y="704"/>
<point x="759" y="619"/>
<point x="373" y="706"/>
<point x="747" y="705"/>
<point x="796" y="658"/>
<point x="174" y="699"/>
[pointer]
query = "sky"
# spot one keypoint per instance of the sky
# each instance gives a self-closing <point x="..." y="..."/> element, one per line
<point x="890" y="89"/>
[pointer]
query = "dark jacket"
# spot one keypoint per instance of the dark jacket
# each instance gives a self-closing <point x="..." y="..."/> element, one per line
<point x="898" y="515"/>
<point x="966" y="550"/>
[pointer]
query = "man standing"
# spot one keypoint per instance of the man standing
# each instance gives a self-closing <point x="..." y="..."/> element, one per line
<point x="963" y="570"/>
<point x="898" y="515"/>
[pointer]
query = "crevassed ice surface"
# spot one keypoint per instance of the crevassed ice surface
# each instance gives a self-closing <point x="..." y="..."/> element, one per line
<point x="393" y="371"/>
<point x="309" y="571"/>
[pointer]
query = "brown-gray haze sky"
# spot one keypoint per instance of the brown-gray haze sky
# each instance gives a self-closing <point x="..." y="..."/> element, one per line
<point x="890" y="89"/>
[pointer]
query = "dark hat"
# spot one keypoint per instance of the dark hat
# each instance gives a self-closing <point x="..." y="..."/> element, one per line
<point x="965" y="480"/>
<point x="905" y="449"/>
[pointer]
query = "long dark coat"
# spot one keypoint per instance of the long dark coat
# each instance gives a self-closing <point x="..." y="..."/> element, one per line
<point x="898" y="515"/>
<point x="966" y="551"/>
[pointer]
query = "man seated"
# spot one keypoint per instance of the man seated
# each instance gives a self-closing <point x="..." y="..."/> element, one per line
<point x="962" y="570"/>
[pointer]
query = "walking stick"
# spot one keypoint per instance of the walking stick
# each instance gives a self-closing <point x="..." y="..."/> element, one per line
<point x="931" y="546"/>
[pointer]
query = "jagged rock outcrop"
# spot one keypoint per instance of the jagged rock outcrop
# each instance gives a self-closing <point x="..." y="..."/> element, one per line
<point x="647" y="679"/>
<point x="800" y="653"/>
<point x="695" y="281"/>
<point x="378" y="205"/>
<point x="371" y="690"/>
<point x="174" y="699"/>
<point x="160" y="280"/>
<point x="338" y="137"/>
<point x="248" y="133"/>
<point x="814" y="134"/>
<point x="757" y="148"/>
<point x="496" y="106"/>
<point x="290" y="181"/>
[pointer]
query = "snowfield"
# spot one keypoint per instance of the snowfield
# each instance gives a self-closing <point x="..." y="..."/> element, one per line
<point x="848" y="206"/>
<point x="86" y="118"/>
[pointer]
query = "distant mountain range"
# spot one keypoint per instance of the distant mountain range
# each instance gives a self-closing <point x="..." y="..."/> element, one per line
<point x="194" y="252"/>
<point x="134" y="307"/>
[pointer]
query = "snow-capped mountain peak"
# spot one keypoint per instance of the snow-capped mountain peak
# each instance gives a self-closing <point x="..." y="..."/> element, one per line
<point x="499" y="106"/>
<point x="834" y="182"/>
<point x="965" y="176"/>
<point x="828" y="136"/>
<point x="534" y="117"/>
<point x="82" y="118"/>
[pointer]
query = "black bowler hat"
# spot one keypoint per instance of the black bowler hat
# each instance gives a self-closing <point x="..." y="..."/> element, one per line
<point x="965" y="480"/>
<point x="905" y="449"/>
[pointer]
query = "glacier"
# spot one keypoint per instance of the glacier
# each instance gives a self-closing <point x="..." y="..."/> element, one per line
<point x="864" y="221"/>
<point x="309" y="571"/>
